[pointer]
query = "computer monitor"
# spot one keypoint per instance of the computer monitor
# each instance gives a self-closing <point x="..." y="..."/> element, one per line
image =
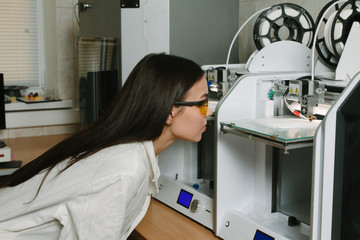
<point x="2" y="103"/>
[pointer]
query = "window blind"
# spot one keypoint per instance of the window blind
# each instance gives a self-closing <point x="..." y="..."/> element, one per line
<point x="19" y="42"/>
<point x="96" y="54"/>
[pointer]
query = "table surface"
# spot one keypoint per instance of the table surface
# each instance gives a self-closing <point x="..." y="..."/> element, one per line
<point x="160" y="221"/>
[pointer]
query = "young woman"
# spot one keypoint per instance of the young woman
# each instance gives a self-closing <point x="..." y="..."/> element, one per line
<point x="97" y="183"/>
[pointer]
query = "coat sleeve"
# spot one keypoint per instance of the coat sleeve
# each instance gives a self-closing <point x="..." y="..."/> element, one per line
<point x="100" y="213"/>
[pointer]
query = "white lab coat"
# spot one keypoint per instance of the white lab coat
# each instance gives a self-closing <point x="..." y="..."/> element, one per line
<point x="102" y="197"/>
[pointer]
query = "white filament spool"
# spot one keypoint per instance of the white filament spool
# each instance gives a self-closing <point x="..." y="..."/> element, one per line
<point x="327" y="32"/>
<point x="273" y="15"/>
<point x="293" y="23"/>
<point x="336" y="33"/>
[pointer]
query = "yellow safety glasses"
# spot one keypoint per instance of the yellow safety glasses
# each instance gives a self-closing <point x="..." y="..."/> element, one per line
<point x="203" y="105"/>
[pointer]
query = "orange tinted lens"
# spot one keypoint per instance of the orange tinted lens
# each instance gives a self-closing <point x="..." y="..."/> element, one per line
<point x="204" y="108"/>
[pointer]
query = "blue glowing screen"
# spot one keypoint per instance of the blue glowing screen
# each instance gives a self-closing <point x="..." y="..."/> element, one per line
<point x="262" y="236"/>
<point x="184" y="198"/>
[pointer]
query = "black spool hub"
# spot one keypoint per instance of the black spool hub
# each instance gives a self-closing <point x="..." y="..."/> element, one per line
<point x="291" y="24"/>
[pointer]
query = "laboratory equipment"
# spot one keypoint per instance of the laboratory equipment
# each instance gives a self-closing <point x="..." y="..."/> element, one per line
<point x="265" y="178"/>
<point x="279" y="173"/>
<point x="337" y="45"/>
<point x="244" y="167"/>
<point x="282" y="35"/>
<point x="336" y="28"/>
<point x="272" y="180"/>
<point x="335" y="211"/>
<point x="187" y="169"/>
<point x="264" y="155"/>
<point x="187" y="177"/>
<point x="286" y="21"/>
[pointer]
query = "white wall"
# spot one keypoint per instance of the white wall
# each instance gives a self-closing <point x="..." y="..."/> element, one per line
<point x="67" y="32"/>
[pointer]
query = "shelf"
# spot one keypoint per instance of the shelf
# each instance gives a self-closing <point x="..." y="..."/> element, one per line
<point x="21" y="106"/>
<point x="284" y="132"/>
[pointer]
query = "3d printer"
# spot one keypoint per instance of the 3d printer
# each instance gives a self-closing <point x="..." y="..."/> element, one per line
<point x="283" y="166"/>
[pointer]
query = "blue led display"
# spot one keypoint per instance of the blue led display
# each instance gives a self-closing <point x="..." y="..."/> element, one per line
<point x="262" y="236"/>
<point x="184" y="198"/>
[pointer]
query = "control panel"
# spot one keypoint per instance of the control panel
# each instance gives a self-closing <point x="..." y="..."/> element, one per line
<point x="186" y="200"/>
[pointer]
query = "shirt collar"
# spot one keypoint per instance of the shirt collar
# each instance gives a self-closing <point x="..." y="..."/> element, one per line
<point x="149" y="146"/>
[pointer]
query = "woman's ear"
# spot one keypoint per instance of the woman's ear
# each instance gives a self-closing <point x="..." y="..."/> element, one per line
<point x="171" y="117"/>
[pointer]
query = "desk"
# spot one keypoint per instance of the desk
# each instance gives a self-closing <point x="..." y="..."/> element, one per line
<point x="164" y="223"/>
<point x="27" y="149"/>
<point x="160" y="221"/>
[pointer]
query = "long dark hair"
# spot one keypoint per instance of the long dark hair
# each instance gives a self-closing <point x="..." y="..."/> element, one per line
<point x="138" y="113"/>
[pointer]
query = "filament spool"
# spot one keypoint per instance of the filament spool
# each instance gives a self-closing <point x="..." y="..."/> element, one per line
<point x="284" y="22"/>
<point x="321" y="43"/>
<point x="347" y="14"/>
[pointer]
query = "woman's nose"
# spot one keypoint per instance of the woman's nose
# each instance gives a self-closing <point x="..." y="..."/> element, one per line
<point x="209" y="112"/>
